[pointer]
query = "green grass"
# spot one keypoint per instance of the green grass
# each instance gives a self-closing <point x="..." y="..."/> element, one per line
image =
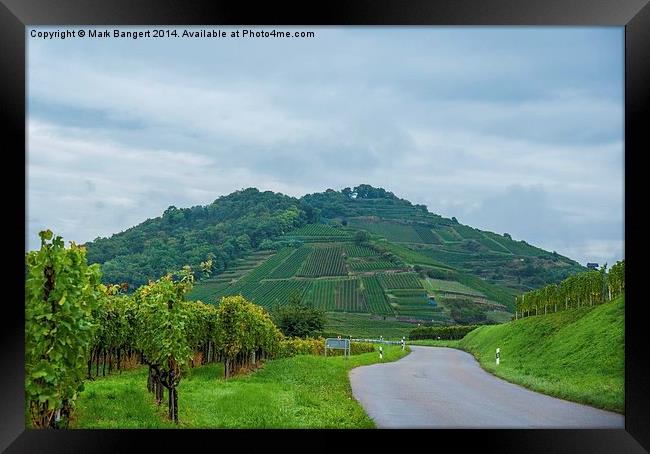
<point x="298" y="392"/>
<point x="577" y="354"/>
<point x="118" y="401"/>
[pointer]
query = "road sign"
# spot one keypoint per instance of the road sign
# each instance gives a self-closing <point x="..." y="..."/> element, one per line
<point x="338" y="344"/>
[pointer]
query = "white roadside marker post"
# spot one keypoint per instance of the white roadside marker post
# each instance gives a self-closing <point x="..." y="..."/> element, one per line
<point x="381" y="352"/>
<point x="498" y="355"/>
<point x="403" y="342"/>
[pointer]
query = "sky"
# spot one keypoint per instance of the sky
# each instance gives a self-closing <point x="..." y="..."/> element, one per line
<point x="508" y="129"/>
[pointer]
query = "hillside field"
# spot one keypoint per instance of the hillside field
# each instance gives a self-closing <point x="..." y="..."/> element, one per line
<point x="365" y="326"/>
<point x="341" y="276"/>
<point x="269" y="247"/>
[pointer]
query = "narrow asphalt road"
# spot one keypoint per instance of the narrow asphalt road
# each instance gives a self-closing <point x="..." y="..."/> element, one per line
<point x="435" y="387"/>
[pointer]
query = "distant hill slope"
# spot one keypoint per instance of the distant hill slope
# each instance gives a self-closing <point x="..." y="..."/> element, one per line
<point x="577" y="354"/>
<point x="496" y="258"/>
<point x="267" y="246"/>
<point x="329" y="270"/>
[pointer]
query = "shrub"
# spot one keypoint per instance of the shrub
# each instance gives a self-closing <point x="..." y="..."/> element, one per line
<point x="298" y="319"/>
<point x="442" y="332"/>
<point x="357" y="348"/>
<point x="292" y="346"/>
<point x="361" y="237"/>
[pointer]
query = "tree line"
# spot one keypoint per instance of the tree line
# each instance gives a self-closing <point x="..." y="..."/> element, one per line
<point x="583" y="289"/>
<point x="223" y="231"/>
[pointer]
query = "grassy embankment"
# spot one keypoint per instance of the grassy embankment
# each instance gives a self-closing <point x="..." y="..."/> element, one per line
<point x="298" y="392"/>
<point x="577" y="355"/>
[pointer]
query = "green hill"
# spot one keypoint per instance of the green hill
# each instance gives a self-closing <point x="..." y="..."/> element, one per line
<point x="225" y="230"/>
<point x="577" y="354"/>
<point x="429" y="239"/>
<point x="413" y="266"/>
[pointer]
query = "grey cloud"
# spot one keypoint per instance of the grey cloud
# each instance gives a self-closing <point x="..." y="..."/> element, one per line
<point x="450" y="118"/>
<point x="527" y="214"/>
<point x="524" y="212"/>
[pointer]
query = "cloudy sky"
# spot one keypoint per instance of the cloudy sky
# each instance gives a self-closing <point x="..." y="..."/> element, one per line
<point x="516" y="130"/>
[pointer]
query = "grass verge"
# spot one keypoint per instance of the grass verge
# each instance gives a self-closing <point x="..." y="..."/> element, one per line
<point x="577" y="355"/>
<point x="299" y="392"/>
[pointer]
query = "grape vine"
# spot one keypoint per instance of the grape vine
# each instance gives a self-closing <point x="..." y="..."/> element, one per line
<point x="77" y="328"/>
<point x="584" y="289"/>
<point x="61" y="291"/>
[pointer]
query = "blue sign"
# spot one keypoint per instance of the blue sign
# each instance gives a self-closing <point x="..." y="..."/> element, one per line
<point x="342" y="344"/>
<point x="338" y="344"/>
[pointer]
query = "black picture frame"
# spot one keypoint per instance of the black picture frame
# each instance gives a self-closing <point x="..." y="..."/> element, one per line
<point x="15" y="15"/>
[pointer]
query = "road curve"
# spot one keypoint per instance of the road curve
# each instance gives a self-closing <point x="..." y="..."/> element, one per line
<point x="436" y="387"/>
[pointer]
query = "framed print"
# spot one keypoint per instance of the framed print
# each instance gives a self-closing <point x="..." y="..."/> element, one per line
<point x="353" y="216"/>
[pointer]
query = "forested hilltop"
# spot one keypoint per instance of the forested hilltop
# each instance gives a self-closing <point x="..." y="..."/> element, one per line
<point x="238" y="227"/>
<point x="224" y="230"/>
